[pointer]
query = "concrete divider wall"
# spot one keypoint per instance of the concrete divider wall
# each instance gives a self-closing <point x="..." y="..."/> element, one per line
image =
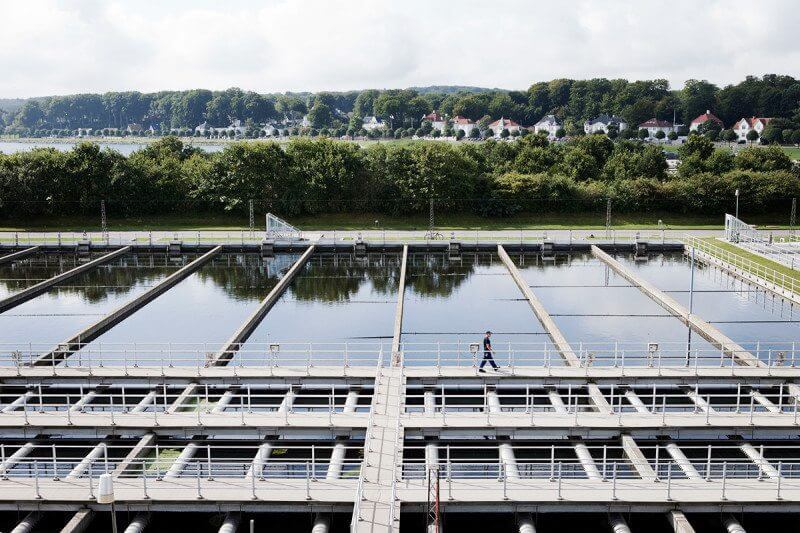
<point x="233" y="344"/>
<point x="93" y="331"/>
<point x="18" y="255"/>
<point x="31" y="292"/>
<point x="706" y="330"/>
<point x="398" y="314"/>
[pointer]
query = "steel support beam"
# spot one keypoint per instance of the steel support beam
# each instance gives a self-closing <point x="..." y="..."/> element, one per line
<point x="682" y="461"/>
<point x="139" y="523"/>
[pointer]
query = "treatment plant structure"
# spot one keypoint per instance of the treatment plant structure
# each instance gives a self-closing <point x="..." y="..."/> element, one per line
<point x="230" y="383"/>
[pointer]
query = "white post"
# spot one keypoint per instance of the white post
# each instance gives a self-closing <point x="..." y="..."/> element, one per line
<point x="87" y="461"/>
<point x="618" y="524"/>
<point x="636" y="402"/>
<point x="262" y="456"/>
<point x="525" y="524"/>
<point x="223" y="402"/>
<point x="557" y="401"/>
<point x="509" y="460"/>
<point x="350" y="402"/>
<point x="733" y="526"/>
<point x="149" y="398"/>
<point x="321" y="524"/>
<point x="763" y="465"/>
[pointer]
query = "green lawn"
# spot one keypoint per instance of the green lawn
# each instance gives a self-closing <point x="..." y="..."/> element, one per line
<point x="379" y="221"/>
<point x="792" y="151"/>
<point x="788" y="272"/>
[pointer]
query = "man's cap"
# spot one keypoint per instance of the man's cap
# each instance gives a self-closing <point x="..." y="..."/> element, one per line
<point x="488" y="332"/>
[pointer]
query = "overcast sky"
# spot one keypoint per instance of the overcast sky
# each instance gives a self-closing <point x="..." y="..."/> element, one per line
<point x="70" y="46"/>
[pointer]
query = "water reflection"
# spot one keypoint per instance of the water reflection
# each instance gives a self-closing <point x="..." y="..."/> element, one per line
<point x="340" y="277"/>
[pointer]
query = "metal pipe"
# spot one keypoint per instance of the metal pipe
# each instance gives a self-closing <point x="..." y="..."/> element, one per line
<point x="15" y="457"/>
<point x="28" y="523"/>
<point x="231" y="523"/>
<point x="223" y="402"/>
<point x="493" y="401"/>
<point x="509" y="460"/>
<point x="618" y="524"/>
<point x="145" y="402"/>
<point x="180" y="463"/>
<point x="557" y="401"/>
<point x="525" y="524"/>
<point x="87" y="461"/>
<point x="636" y="402"/>
<point x="321" y="524"/>
<point x="431" y="455"/>
<point x="429" y="401"/>
<point x="22" y="400"/>
<point x="337" y="461"/>
<point x="587" y="461"/>
<point x="733" y="526"/>
<point x="139" y="522"/>
<point x="682" y="461"/>
<point x="288" y="402"/>
<point x="262" y="456"/>
<point x="351" y="401"/>
<point x="754" y="455"/>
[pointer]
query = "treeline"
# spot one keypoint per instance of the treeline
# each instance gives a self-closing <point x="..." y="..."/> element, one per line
<point x="573" y="101"/>
<point x="309" y="176"/>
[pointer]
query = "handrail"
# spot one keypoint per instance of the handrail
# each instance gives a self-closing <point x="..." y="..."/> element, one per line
<point x="367" y="440"/>
<point x="770" y="275"/>
<point x="358" y="354"/>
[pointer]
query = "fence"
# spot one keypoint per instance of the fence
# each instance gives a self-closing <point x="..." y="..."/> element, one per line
<point x="783" y="250"/>
<point x="365" y="355"/>
<point x="745" y="266"/>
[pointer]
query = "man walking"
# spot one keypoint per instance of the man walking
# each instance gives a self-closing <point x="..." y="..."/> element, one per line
<point x="487" y="353"/>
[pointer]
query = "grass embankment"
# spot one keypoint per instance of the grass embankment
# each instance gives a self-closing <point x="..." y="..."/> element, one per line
<point x="792" y="151"/>
<point x="781" y="269"/>
<point x="343" y="221"/>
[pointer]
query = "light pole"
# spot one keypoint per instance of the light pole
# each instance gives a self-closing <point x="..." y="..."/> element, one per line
<point x="105" y="494"/>
<point x="737" y="203"/>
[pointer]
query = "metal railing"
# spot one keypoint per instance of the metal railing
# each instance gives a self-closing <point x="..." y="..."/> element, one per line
<point x="709" y="407"/>
<point x="368" y="437"/>
<point x="180" y="459"/>
<point x="344" y="355"/>
<point x="245" y="236"/>
<point x="748" y="237"/>
<point x="602" y="462"/>
<point x="745" y="266"/>
<point x="192" y="355"/>
<point x="243" y="399"/>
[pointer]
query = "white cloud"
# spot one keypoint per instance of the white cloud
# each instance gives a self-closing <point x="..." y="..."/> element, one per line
<point x="67" y="46"/>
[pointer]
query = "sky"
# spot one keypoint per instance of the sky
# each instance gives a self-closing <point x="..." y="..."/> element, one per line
<point x="72" y="46"/>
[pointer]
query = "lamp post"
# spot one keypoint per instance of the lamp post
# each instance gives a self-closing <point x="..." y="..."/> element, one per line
<point x="105" y="494"/>
<point x="737" y="203"/>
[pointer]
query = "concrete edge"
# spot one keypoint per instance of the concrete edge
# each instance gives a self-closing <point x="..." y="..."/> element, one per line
<point x="241" y="335"/>
<point x="539" y="310"/>
<point x="18" y="255"/>
<point x="703" y="328"/>
<point x="29" y="293"/>
<point x="88" y="334"/>
<point x="398" y="314"/>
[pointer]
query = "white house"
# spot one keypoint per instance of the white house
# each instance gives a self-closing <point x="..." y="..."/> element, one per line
<point x="134" y="129"/>
<point x="744" y="125"/>
<point x="373" y="123"/>
<point x="203" y="128"/>
<point x="601" y="123"/>
<point x="708" y="116"/>
<point x="498" y="126"/>
<point x="438" y="122"/>
<point x="84" y="132"/>
<point x="549" y="124"/>
<point x="464" y="124"/>
<point x="654" y="125"/>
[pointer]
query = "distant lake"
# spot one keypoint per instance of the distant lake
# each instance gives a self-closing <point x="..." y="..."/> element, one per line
<point x="10" y="147"/>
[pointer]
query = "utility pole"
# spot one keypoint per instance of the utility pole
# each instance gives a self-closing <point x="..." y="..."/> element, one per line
<point x="430" y="219"/>
<point x="433" y="518"/>
<point x="103" y="219"/>
<point x="608" y="218"/>
<point x="793" y="215"/>
<point x="737" y="203"/>
<point x="252" y="218"/>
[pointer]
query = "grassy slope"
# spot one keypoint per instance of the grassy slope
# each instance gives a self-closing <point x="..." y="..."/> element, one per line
<point x="756" y="259"/>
